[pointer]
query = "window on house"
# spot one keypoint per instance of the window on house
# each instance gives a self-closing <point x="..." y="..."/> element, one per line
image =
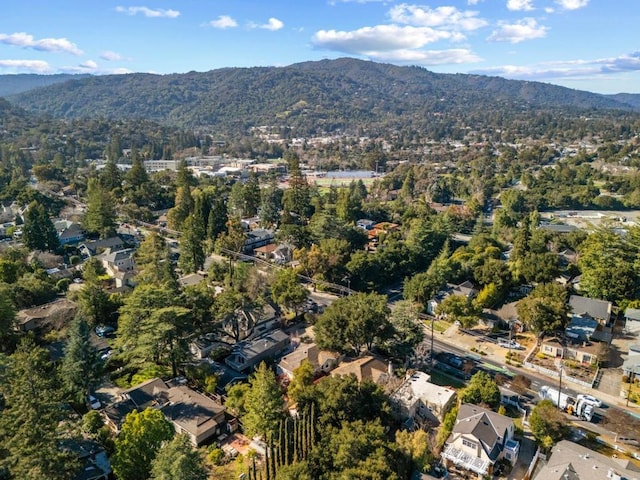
<point x="586" y="358"/>
<point x="468" y="443"/>
<point x="547" y="348"/>
<point x="507" y="455"/>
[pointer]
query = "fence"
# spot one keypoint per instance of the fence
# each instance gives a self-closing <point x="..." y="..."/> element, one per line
<point x="532" y="465"/>
<point x="555" y="374"/>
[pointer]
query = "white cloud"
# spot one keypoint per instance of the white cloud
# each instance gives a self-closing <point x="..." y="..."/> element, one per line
<point x="525" y="29"/>
<point x="110" y="56"/>
<point x="520" y="5"/>
<point x="380" y="38"/>
<point x="89" y="65"/>
<point x="149" y="12"/>
<point x="423" y="16"/>
<point x="473" y="2"/>
<point x="549" y="9"/>
<point x="33" y="66"/>
<point x="273" y="24"/>
<point x="223" y="21"/>
<point x="24" y="40"/>
<point x="568" y="68"/>
<point x="427" y="57"/>
<point x="572" y="4"/>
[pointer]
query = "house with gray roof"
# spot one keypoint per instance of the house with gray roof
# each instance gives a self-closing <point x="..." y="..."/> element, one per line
<point x="597" y="309"/>
<point x="191" y="413"/>
<point x="632" y="321"/>
<point x="479" y="439"/>
<point x="465" y="289"/>
<point x="247" y="355"/>
<point x="571" y="461"/>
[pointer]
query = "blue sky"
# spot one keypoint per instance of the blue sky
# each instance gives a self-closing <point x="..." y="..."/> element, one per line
<point x="585" y="44"/>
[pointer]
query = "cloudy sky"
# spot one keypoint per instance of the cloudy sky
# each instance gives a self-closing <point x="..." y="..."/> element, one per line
<point x="585" y="44"/>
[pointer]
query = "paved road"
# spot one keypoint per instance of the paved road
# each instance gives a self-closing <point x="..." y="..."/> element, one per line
<point x="537" y="381"/>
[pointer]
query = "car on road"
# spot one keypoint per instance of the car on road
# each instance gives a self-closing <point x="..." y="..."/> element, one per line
<point x="93" y="402"/>
<point x="590" y="399"/>
<point x="510" y="344"/>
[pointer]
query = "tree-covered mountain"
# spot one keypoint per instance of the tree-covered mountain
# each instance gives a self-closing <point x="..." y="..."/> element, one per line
<point x="18" y="83"/>
<point x="343" y="95"/>
<point x="632" y="99"/>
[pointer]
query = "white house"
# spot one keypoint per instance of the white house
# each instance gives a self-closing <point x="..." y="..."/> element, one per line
<point x="479" y="439"/>
<point x="419" y="402"/>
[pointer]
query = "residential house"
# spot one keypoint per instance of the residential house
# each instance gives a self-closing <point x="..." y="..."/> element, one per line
<point x="631" y="366"/>
<point x="323" y="361"/>
<point x="54" y="315"/>
<point x="257" y="238"/>
<point x="95" y="247"/>
<point x="365" y="224"/>
<point x="247" y="355"/>
<point x="265" y="252"/>
<point x="283" y="254"/>
<point x="571" y="461"/>
<point x="205" y="345"/>
<point x="420" y="403"/>
<point x="365" y="368"/>
<point x="632" y="321"/>
<point x="94" y="463"/>
<point x="191" y="413"/>
<point x="568" y="349"/>
<point x="594" y="308"/>
<point x="118" y="261"/>
<point x="466" y="289"/>
<point x="68" y="232"/>
<point x="509" y="398"/>
<point x="479" y="439"/>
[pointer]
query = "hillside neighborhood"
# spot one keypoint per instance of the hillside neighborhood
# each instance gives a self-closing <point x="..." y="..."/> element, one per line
<point x="198" y="331"/>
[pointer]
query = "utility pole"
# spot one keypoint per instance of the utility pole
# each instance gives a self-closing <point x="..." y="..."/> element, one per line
<point x="560" y="384"/>
<point x="631" y="380"/>
<point x="433" y="319"/>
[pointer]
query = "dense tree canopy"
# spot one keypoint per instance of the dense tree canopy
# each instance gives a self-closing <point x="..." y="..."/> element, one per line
<point x="354" y="322"/>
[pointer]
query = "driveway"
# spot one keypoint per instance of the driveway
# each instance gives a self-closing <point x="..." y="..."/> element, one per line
<point x="527" y="451"/>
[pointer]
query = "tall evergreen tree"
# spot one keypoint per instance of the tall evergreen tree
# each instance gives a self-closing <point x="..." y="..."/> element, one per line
<point x="100" y="217"/>
<point x="38" y="232"/>
<point x="154" y="262"/>
<point x="29" y="432"/>
<point x="270" y="204"/>
<point x="191" y="247"/>
<point x="251" y="195"/>
<point x="80" y="367"/>
<point x="7" y="323"/>
<point x="264" y="404"/>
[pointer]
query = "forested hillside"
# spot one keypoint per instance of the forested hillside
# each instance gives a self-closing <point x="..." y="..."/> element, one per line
<point x="18" y="83"/>
<point x="311" y="98"/>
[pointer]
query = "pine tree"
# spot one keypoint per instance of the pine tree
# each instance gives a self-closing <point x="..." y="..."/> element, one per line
<point x="29" y="421"/>
<point x="191" y="246"/>
<point x="264" y="404"/>
<point x="100" y="217"/>
<point x="38" y="232"/>
<point x="80" y="367"/>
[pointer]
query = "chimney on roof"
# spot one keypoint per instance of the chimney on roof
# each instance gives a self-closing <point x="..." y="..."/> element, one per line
<point x="390" y="369"/>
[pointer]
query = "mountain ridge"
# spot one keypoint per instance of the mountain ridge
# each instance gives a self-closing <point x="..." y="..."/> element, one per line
<point x="310" y="97"/>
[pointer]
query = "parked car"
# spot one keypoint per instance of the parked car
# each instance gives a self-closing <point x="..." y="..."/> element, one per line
<point x="510" y="344"/>
<point x="94" y="402"/>
<point x="104" y="330"/>
<point x="105" y="355"/>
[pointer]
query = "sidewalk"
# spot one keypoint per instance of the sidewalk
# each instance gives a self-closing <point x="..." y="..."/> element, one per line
<point x="497" y="354"/>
